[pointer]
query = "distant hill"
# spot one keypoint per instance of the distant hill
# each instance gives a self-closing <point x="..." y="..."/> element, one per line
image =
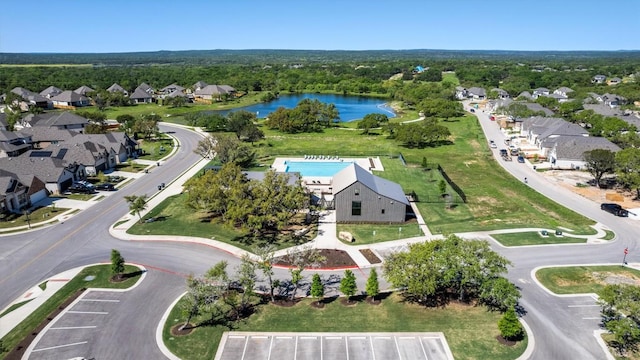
<point x="208" y="57"/>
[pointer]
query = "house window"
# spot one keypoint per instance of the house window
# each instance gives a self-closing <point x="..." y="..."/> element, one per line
<point x="356" y="208"/>
<point x="357" y="192"/>
<point x="382" y="211"/>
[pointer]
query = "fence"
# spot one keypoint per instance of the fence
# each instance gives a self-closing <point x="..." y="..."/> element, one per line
<point x="453" y="185"/>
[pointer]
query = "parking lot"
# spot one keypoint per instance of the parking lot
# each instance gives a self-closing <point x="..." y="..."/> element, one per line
<point x="77" y="329"/>
<point x="335" y="346"/>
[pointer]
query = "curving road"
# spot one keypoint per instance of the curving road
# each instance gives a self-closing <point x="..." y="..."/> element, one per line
<point x="563" y="327"/>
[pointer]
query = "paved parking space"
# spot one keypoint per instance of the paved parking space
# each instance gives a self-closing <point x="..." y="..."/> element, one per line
<point x="238" y="345"/>
<point x="77" y="329"/>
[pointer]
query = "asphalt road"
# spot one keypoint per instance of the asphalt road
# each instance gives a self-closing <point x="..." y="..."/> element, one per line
<point x="563" y="327"/>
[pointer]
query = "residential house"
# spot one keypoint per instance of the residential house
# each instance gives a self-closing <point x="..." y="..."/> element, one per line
<point x="540" y="92"/>
<point x="598" y="79"/>
<point x="171" y="88"/>
<point x="461" y="93"/>
<point x="63" y="121"/>
<point x="525" y="95"/>
<point x="140" y="96"/>
<point x="117" y="88"/>
<point x="558" y="97"/>
<point x="212" y="93"/>
<point x="83" y="90"/>
<point x="41" y="136"/>
<point x="13" y="143"/>
<point x="50" y="92"/>
<point x="146" y="88"/>
<point x="538" y="129"/>
<point x="13" y="193"/>
<point x="477" y="93"/>
<point x="501" y="94"/>
<point x="29" y="98"/>
<point x="199" y="85"/>
<point x="70" y="100"/>
<point x="567" y="152"/>
<point x="564" y="91"/>
<point x="361" y="197"/>
<point x="52" y="171"/>
<point x="614" y="81"/>
<point x="4" y="125"/>
<point x="613" y="100"/>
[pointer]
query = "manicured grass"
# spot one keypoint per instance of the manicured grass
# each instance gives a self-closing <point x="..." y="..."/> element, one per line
<point x="610" y="235"/>
<point x="36" y="216"/>
<point x="534" y="238"/>
<point x="155" y="149"/>
<point x="13" y="307"/>
<point x="80" y="197"/>
<point x="363" y="233"/>
<point x="179" y="219"/>
<point x="582" y="279"/>
<point x="470" y="331"/>
<point x="102" y="274"/>
<point x="450" y="78"/>
<point x="133" y="167"/>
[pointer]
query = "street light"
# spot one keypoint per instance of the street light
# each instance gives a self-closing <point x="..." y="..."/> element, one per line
<point x="26" y="214"/>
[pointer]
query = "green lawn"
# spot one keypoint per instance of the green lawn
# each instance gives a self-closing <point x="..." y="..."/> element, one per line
<point x="364" y="233"/>
<point x="155" y="149"/>
<point x="36" y="216"/>
<point x="179" y="219"/>
<point x="534" y="238"/>
<point x="582" y="279"/>
<point x="133" y="167"/>
<point x="451" y="78"/>
<point x="102" y="273"/>
<point x="470" y="331"/>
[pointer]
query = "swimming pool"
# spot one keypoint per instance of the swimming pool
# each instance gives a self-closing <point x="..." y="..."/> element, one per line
<point x="316" y="168"/>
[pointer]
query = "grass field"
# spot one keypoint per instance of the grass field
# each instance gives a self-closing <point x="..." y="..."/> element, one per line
<point x="534" y="238"/>
<point x="470" y="331"/>
<point x="582" y="279"/>
<point x="179" y="219"/>
<point x="364" y="233"/>
<point x="35" y="216"/>
<point x="102" y="274"/>
<point x="155" y="149"/>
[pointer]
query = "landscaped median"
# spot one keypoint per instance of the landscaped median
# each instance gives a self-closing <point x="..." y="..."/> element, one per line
<point x="585" y="279"/>
<point x="97" y="276"/>
<point x="470" y="331"/>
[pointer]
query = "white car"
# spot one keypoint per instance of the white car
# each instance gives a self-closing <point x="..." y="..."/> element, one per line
<point x="492" y="144"/>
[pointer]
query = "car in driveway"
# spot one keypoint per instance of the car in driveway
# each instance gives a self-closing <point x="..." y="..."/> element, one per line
<point x="80" y="189"/>
<point x="106" y="187"/>
<point x="615" y="209"/>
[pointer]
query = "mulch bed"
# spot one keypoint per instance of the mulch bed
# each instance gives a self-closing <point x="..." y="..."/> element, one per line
<point x="285" y="301"/>
<point x="345" y="302"/>
<point x="18" y="351"/>
<point x="317" y="304"/>
<point x="371" y="257"/>
<point x="505" y="342"/>
<point x="175" y="330"/>
<point x="335" y="258"/>
<point x="371" y="301"/>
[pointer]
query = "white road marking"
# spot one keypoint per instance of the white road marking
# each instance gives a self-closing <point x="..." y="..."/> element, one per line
<point x="573" y="306"/>
<point x="357" y="337"/>
<point x="59" y="346"/>
<point x="591" y="318"/>
<point x="100" y="300"/>
<point x="333" y="337"/>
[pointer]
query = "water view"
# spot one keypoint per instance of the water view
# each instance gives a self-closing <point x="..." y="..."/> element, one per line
<point x="350" y="107"/>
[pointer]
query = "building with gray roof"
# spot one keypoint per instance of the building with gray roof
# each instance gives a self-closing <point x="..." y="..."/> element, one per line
<point x="50" y="92"/>
<point x="117" y="88"/>
<point x="69" y="100"/>
<point x="361" y="197"/>
<point x="62" y="121"/>
<point x="213" y="92"/>
<point x="83" y="90"/>
<point x="567" y="152"/>
<point x="139" y="96"/>
<point x="31" y="99"/>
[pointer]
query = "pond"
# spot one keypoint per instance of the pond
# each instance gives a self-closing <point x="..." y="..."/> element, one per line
<point x="350" y="107"/>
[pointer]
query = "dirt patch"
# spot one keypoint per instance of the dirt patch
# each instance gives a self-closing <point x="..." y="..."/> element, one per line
<point x="505" y="342"/>
<point x="609" y="278"/>
<point x="334" y="258"/>
<point x="177" y="331"/>
<point x="346" y="302"/>
<point x="18" y="351"/>
<point x="317" y="304"/>
<point x="371" y="257"/>
<point x="569" y="179"/>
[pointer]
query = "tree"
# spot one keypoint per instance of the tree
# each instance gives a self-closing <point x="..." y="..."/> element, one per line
<point x="348" y="284"/>
<point x="317" y="288"/>
<point x="599" y="162"/>
<point x="193" y="300"/>
<point x="230" y="149"/>
<point x="509" y="326"/>
<point x="621" y="315"/>
<point x="117" y="264"/>
<point x="266" y="255"/>
<point x="126" y="122"/>
<point x="237" y="121"/>
<point x="628" y="168"/>
<point x="499" y="294"/>
<point x="373" y="287"/>
<point x="95" y="128"/>
<point x="206" y="147"/>
<point x="372" y="121"/>
<point x="137" y="204"/>
<point x="247" y="279"/>
<point x="296" y="277"/>
<point x="442" y="186"/>
<point x="147" y="125"/>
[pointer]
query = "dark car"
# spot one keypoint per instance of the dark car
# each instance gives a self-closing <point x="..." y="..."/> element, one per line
<point x="106" y="187"/>
<point x="615" y="209"/>
<point x="521" y="159"/>
<point x="472" y="110"/>
<point x="80" y="189"/>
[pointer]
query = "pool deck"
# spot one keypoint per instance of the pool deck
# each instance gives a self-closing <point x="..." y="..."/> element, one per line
<point x="368" y="163"/>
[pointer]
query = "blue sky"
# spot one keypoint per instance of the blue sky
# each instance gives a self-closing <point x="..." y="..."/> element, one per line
<point x="145" y="25"/>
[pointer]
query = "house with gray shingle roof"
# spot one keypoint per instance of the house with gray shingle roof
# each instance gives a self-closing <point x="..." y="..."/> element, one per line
<point x="83" y="90"/>
<point x="13" y="143"/>
<point x="613" y="100"/>
<point x="146" y="88"/>
<point x="4" y="125"/>
<point x="30" y="98"/>
<point x="211" y="93"/>
<point x="599" y="79"/>
<point x="199" y="85"/>
<point x="140" y="96"/>
<point x="563" y="90"/>
<point x="171" y="88"/>
<point x="13" y="193"/>
<point x="501" y="94"/>
<point x="614" y="81"/>
<point x="361" y="197"/>
<point x="526" y="95"/>
<point x="540" y="92"/>
<point x="63" y="121"/>
<point x="53" y="172"/>
<point x="50" y="92"/>
<point x="117" y="88"/>
<point x="567" y="152"/>
<point x="477" y="93"/>
<point x="69" y="100"/>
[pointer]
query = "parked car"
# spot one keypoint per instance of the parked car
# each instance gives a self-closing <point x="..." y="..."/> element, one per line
<point x="106" y="187"/>
<point x="503" y="152"/>
<point x="615" y="209"/>
<point x="83" y="183"/>
<point x="521" y="159"/>
<point x="80" y="189"/>
<point x="492" y="144"/>
<point x="472" y="110"/>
